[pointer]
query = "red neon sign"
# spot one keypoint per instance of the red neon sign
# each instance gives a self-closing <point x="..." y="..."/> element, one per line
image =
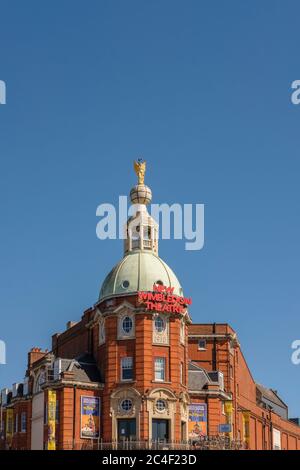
<point x="163" y="299"/>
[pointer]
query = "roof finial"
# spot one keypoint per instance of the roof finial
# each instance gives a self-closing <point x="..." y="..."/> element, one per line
<point x="140" y="169"/>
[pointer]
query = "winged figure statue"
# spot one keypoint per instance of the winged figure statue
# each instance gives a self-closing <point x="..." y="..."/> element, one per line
<point x="140" y="169"/>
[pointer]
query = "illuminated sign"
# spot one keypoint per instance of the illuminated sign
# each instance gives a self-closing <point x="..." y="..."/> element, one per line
<point x="163" y="299"/>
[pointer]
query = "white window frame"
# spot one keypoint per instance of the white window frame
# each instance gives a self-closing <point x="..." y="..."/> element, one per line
<point x="129" y="360"/>
<point x="160" y="317"/>
<point x="121" y="333"/>
<point x="123" y="320"/>
<point x="159" y="366"/>
<point x="182" y="332"/>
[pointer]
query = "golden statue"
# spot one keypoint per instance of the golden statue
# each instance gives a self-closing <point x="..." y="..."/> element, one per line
<point x="140" y="169"/>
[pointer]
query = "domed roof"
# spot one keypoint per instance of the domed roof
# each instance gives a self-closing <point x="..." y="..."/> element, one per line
<point x="138" y="271"/>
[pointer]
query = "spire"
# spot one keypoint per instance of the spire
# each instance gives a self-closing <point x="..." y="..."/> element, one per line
<point x="141" y="228"/>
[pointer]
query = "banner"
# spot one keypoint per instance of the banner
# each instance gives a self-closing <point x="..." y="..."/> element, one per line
<point x="246" y="426"/>
<point x="228" y="408"/>
<point x="51" y="419"/>
<point x="90" y="417"/>
<point x="228" y="405"/>
<point x="9" y="424"/>
<point x="197" y="420"/>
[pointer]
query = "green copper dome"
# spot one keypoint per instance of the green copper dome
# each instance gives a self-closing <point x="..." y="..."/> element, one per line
<point x="138" y="271"/>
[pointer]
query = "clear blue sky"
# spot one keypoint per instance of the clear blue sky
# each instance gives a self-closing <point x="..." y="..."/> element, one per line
<point x="200" y="89"/>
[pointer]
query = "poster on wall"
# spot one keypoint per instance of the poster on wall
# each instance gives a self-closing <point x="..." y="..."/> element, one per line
<point x="90" y="417"/>
<point x="51" y="419"/>
<point x="197" y="420"/>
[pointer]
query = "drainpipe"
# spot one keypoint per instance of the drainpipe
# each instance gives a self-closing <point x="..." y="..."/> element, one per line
<point x="74" y="415"/>
<point x="214" y="358"/>
<point x="271" y="433"/>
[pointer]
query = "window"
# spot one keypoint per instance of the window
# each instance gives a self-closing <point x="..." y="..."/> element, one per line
<point x="127" y="325"/>
<point x="126" y="405"/>
<point x="16" y="423"/>
<point x="23" y="421"/>
<point x="41" y="379"/>
<point x="159" y="368"/>
<point x="161" y="405"/>
<point x="202" y="344"/>
<point x="159" y="324"/>
<point x="221" y="380"/>
<point x="182" y="332"/>
<point x="181" y="373"/>
<point x="147" y="232"/>
<point x="125" y="284"/>
<point x="101" y="332"/>
<point x="127" y="368"/>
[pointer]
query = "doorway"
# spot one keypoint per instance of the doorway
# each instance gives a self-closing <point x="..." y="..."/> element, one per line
<point x="160" y="429"/>
<point x="126" y="429"/>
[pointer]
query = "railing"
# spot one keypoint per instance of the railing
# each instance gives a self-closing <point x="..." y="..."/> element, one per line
<point x="204" y="443"/>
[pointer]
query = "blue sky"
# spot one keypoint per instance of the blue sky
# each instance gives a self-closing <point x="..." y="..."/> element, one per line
<point x="201" y="90"/>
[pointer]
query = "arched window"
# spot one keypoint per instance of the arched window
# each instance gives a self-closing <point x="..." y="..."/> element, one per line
<point x="127" y="325"/>
<point x="159" y="324"/>
<point x="39" y="381"/>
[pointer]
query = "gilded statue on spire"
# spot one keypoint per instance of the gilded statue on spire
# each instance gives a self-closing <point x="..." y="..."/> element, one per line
<point x="140" y="169"/>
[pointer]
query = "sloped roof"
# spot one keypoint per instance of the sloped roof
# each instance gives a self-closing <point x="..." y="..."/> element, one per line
<point x="271" y="395"/>
<point x="198" y="378"/>
<point x="84" y="368"/>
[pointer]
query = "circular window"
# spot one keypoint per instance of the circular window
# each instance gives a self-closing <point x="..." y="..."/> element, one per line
<point x="125" y="284"/>
<point x="159" y="324"/>
<point x="161" y="405"/>
<point x="127" y="325"/>
<point x="126" y="405"/>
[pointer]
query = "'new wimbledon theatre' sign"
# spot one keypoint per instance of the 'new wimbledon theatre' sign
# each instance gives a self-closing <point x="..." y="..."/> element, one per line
<point x="163" y="299"/>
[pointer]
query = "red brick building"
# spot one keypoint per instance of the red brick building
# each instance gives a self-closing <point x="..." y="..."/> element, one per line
<point x="136" y="368"/>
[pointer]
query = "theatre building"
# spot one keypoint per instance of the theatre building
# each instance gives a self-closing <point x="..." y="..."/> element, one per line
<point x="136" y="371"/>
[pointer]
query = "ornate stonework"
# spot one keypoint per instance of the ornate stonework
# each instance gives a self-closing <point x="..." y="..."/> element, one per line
<point x="160" y="337"/>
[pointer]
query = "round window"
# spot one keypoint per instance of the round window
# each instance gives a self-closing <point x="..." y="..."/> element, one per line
<point x="160" y="405"/>
<point x="127" y="325"/>
<point x="125" y="284"/>
<point x="159" y="324"/>
<point x="126" y="405"/>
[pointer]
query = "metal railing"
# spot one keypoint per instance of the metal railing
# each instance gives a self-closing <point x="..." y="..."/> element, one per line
<point x="204" y="443"/>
